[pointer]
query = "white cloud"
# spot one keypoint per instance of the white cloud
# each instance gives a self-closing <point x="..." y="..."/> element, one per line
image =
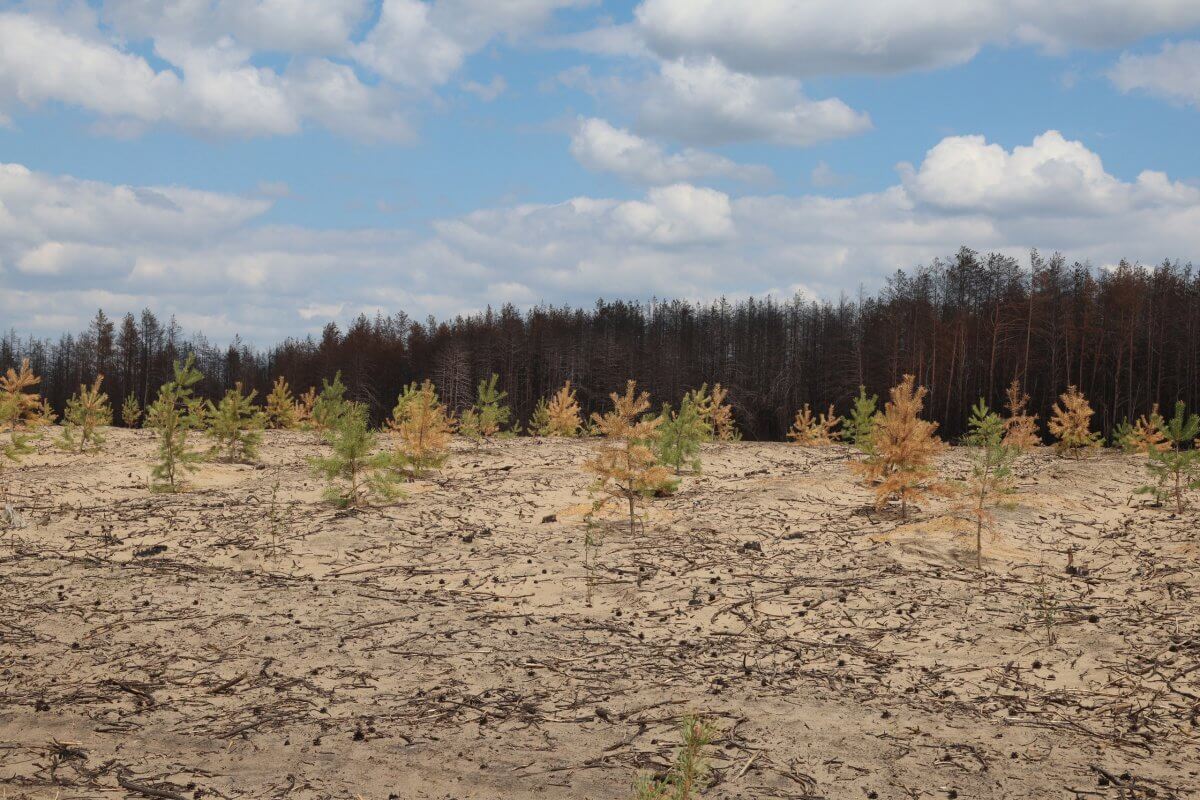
<point x="703" y="102"/>
<point x="820" y="37"/>
<point x="487" y="92"/>
<point x="68" y="246"/>
<point x="1172" y="73"/>
<point x="601" y="147"/>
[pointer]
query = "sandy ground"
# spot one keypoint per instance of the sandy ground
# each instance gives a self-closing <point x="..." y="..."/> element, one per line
<point x="219" y="643"/>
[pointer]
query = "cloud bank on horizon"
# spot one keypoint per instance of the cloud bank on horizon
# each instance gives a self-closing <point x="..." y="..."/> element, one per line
<point x="261" y="166"/>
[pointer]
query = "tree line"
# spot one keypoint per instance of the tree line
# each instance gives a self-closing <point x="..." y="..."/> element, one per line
<point x="1127" y="336"/>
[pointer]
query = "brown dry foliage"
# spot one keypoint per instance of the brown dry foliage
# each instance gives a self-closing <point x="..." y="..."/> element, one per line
<point x="818" y="431"/>
<point x="421" y="427"/>
<point x="31" y="409"/>
<point x="564" y="418"/>
<point x="899" y="464"/>
<point x="1071" y="423"/>
<point x="1020" y="427"/>
<point x="1147" y="434"/>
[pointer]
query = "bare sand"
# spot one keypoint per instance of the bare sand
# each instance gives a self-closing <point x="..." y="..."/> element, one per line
<point x="445" y="647"/>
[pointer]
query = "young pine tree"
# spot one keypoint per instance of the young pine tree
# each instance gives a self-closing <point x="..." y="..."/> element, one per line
<point x="1144" y="436"/>
<point x="12" y="448"/>
<point x="716" y="412"/>
<point x="1020" y="427"/>
<point x="355" y="472"/>
<point x="1176" y="470"/>
<point x="281" y="406"/>
<point x="331" y="404"/>
<point x="558" y="417"/>
<point x="901" y="450"/>
<point x="86" y="412"/>
<point x="489" y="414"/>
<point x="131" y="412"/>
<point x="1071" y="424"/>
<point x="860" y="425"/>
<point x="304" y="409"/>
<point x="810" y="431"/>
<point x="28" y="409"/>
<point x="625" y="465"/>
<point x="685" y="778"/>
<point x="235" y="425"/>
<point x="991" y="478"/>
<point x="680" y="436"/>
<point x="174" y="414"/>
<point x="422" y="428"/>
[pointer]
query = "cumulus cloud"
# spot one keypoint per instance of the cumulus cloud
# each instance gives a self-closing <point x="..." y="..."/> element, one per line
<point x="704" y="102"/>
<point x="1172" y="73"/>
<point x="599" y="146"/>
<point x="820" y="37"/>
<point x="67" y="246"/>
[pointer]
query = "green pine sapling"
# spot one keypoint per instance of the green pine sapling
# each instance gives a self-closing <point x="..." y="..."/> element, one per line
<point x="991" y="477"/>
<point x="1177" y="468"/>
<point x="355" y="472"/>
<point x="173" y="415"/>
<point x="680" y="436"/>
<point x="489" y="415"/>
<point x="131" y="411"/>
<point x="86" y="412"/>
<point x="331" y="404"/>
<point x="235" y="425"/>
<point x="858" y="427"/>
<point x="684" y="779"/>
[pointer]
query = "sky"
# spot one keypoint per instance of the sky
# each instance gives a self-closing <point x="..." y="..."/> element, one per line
<point x="262" y="167"/>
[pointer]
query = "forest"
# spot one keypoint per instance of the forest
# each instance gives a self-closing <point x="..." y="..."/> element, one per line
<point x="963" y="326"/>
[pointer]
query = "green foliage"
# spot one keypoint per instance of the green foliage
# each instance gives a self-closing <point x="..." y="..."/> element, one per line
<point x="131" y="412"/>
<point x="235" y="425"/>
<point x="489" y="414"/>
<point x="86" y="412"/>
<point x="683" y="780"/>
<point x="860" y="425"/>
<point x="331" y="404"/>
<point x="173" y="415"/>
<point x="355" y="472"/>
<point x="1176" y="469"/>
<point x="17" y="443"/>
<point x="991" y="469"/>
<point x="539" y="422"/>
<point x="680" y="436"/>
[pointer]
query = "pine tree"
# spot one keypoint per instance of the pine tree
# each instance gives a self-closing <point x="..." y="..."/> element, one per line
<point x="173" y="415"/>
<point x="489" y="414"/>
<point x="991" y="477"/>
<point x="680" y="436"/>
<point x="901" y="449"/>
<point x="625" y="465"/>
<point x="716" y="412"/>
<point x="1020" y="427"/>
<point x="1176" y="470"/>
<point x="28" y="409"/>
<point x="810" y="431"/>
<point x="683" y="780"/>
<point x="558" y="417"/>
<point x="304" y="409"/>
<point x="1071" y="424"/>
<point x="422" y="428"/>
<point x="281" y="406"/>
<point x="131" y="412"/>
<point x="331" y="404"/>
<point x="1144" y="436"/>
<point x="860" y="426"/>
<point x="13" y="448"/>
<point x="86" y="412"/>
<point x="235" y="425"/>
<point x="355" y="473"/>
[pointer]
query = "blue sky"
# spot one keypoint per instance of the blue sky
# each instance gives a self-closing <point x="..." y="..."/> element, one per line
<point x="262" y="166"/>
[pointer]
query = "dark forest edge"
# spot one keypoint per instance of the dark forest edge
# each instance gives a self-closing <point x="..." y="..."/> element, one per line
<point x="965" y="327"/>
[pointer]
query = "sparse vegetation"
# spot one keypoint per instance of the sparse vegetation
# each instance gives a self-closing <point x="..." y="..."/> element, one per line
<point x="356" y="474"/>
<point x="235" y="425"/>
<point x="715" y="412"/>
<point x="174" y="414"/>
<point x="686" y="777"/>
<point x="281" y="413"/>
<point x="991" y="479"/>
<point x="422" y="428"/>
<point x="680" y="436"/>
<point x="558" y="417"/>
<point x="1175" y="468"/>
<point x="1071" y="424"/>
<point x="859" y="427"/>
<point x="489" y="415"/>
<point x="86" y="412"/>
<point x="131" y="411"/>
<point x="1144" y="436"/>
<point x="1020" y="427"/>
<point x="819" y="431"/>
<point x="331" y="404"/>
<point x="900" y="450"/>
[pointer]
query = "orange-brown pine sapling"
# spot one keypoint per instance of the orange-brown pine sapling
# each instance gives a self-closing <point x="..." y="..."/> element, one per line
<point x="174" y="414"/>
<point x="558" y="417"/>
<point x="1071" y="424"/>
<point x="815" y="431"/>
<point x="716" y="412"/>
<point x="899" y="462"/>
<point x="1020" y="427"/>
<point x="29" y="409"/>
<point x="686" y="777"/>
<point x="1144" y="436"/>
<point x="991" y="478"/>
<point x="12" y="448"/>
<point x="131" y="411"/>
<point x="235" y="425"/>
<point x="304" y="409"/>
<point x="281" y="406"/>
<point x="625" y="464"/>
<point x="86" y="412"/>
<point x="421" y="428"/>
